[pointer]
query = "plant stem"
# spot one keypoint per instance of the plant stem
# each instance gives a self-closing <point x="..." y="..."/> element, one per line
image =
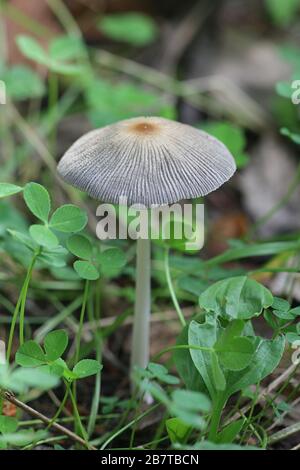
<point x="21" y="302"/>
<point x="61" y="407"/>
<point x="81" y="320"/>
<point x="141" y="323"/>
<point x="24" y="295"/>
<point x="171" y="289"/>
<point x="95" y="315"/>
<point x="78" y="421"/>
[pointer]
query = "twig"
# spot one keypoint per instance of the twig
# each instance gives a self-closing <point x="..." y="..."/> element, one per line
<point x="9" y="396"/>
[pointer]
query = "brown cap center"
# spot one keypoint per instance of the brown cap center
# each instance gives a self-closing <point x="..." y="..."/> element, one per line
<point x="144" y="127"/>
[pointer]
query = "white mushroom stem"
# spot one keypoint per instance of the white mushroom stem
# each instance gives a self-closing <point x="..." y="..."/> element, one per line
<point x="141" y="323"/>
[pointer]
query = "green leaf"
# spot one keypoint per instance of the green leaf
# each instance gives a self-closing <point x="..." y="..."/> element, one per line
<point x="80" y="246"/>
<point x="43" y="236"/>
<point x="86" y="270"/>
<point x="8" y="424"/>
<point x="204" y="335"/>
<point x="282" y="13"/>
<point x="23" y="238"/>
<point x="230" y="432"/>
<point x="236" y="354"/>
<point x="38" y="377"/>
<point x="23" y="83"/>
<point x="217" y="373"/>
<point x="66" y="48"/>
<point x="292" y="135"/>
<point x="260" y="249"/>
<point x="7" y="189"/>
<point x="68" y="218"/>
<point x="280" y="304"/>
<point x="55" y="344"/>
<point x="236" y="297"/>
<point x="135" y="28"/>
<point x="112" y="261"/>
<point x="185" y="366"/>
<point x="265" y="359"/>
<point x="161" y="373"/>
<point x="177" y="430"/>
<point x="86" y="367"/>
<point x="30" y="354"/>
<point x="32" y="49"/>
<point x="192" y="401"/>
<point x="37" y="200"/>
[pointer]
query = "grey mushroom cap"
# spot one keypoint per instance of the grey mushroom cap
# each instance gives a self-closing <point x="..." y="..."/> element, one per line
<point x="147" y="160"/>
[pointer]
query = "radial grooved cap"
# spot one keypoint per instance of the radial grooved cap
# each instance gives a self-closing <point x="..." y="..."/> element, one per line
<point x="148" y="160"/>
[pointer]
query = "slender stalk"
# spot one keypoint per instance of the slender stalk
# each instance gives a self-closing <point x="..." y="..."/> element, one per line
<point x="81" y="320"/>
<point x="95" y="315"/>
<point x="24" y="295"/>
<point x="171" y="289"/>
<point x="61" y="407"/>
<point x="141" y="323"/>
<point x="21" y="301"/>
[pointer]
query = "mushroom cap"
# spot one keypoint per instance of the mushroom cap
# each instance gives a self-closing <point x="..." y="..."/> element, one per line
<point x="148" y="160"/>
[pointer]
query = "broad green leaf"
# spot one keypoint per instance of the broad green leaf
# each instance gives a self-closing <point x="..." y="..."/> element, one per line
<point x="30" y="354"/>
<point x="23" y="83"/>
<point x="109" y="102"/>
<point x="66" y="48"/>
<point x="86" y="270"/>
<point x="80" y="246"/>
<point x="68" y="219"/>
<point x="7" y="189"/>
<point x="192" y="285"/>
<point x="134" y="28"/>
<point x="32" y="49"/>
<point x="87" y="367"/>
<point x="192" y="401"/>
<point x="37" y="377"/>
<point x="236" y="354"/>
<point x="43" y="236"/>
<point x="204" y="335"/>
<point x="230" y="432"/>
<point x="23" y="438"/>
<point x="177" y="430"/>
<point x="23" y="238"/>
<point x="280" y="304"/>
<point x="55" y="344"/>
<point x="265" y="359"/>
<point x="236" y="298"/>
<point x="217" y="373"/>
<point x="185" y="366"/>
<point x="8" y="424"/>
<point x="112" y="261"/>
<point x="37" y="200"/>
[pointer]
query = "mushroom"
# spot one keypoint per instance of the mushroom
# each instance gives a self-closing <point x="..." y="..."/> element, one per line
<point x="150" y="161"/>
